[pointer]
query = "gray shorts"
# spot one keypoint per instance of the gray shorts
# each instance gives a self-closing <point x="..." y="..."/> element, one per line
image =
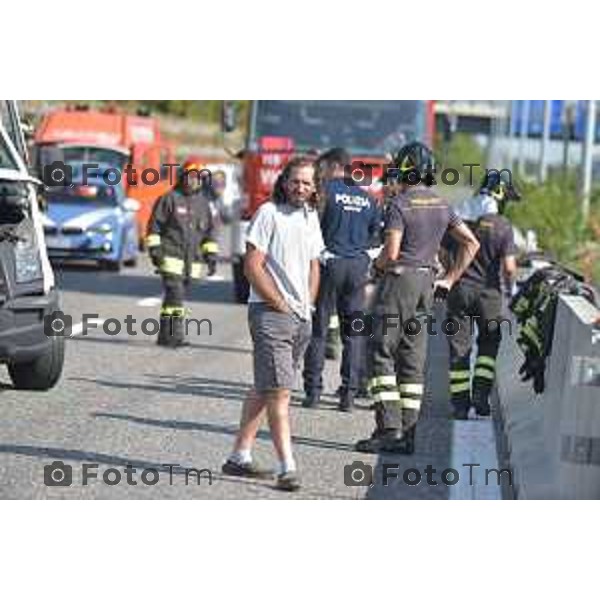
<point x="280" y="341"/>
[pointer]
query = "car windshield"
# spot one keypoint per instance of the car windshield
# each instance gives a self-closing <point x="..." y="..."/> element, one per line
<point x="365" y="126"/>
<point x="85" y="194"/>
<point x="6" y="159"/>
<point x="81" y="154"/>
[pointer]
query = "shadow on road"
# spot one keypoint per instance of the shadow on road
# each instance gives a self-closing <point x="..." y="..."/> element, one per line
<point x="90" y="280"/>
<point x="172" y="384"/>
<point x="141" y="340"/>
<point x="220" y="429"/>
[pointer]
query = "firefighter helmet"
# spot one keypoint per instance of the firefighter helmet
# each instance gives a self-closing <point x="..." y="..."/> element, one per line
<point x="494" y="185"/>
<point x="415" y="158"/>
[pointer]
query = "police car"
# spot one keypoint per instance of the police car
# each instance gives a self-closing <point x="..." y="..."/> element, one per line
<point x="92" y="220"/>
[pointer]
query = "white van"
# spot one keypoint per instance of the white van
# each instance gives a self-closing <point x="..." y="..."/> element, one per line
<point x="28" y="297"/>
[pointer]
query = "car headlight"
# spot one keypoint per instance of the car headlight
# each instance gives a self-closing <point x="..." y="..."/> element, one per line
<point x="28" y="266"/>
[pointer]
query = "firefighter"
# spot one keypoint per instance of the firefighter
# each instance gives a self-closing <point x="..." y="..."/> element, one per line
<point x="181" y="223"/>
<point x="350" y="220"/>
<point x="477" y="297"/>
<point x="415" y="223"/>
<point x="210" y="249"/>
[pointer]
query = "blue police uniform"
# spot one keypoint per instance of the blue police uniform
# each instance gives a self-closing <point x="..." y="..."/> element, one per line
<point x="350" y="223"/>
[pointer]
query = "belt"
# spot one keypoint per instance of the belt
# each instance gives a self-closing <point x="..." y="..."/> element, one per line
<point x="401" y="269"/>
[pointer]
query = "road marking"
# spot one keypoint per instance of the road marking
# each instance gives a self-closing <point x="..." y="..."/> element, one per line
<point x="153" y="301"/>
<point x="78" y="327"/>
<point x="474" y="442"/>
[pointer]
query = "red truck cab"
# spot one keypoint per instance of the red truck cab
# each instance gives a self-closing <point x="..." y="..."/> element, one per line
<point x="371" y="130"/>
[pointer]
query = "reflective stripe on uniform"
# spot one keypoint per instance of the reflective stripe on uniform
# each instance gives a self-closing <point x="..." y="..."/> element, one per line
<point x="484" y="373"/>
<point x="411" y="388"/>
<point x="210" y="248"/>
<point x="153" y="240"/>
<point x="172" y="311"/>
<point x="410" y="394"/>
<point x="411" y="403"/>
<point x="530" y="334"/>
<point x="456" y="388"/>
<point x="172" y="265"/>
<point x="382" y="381"/>
<point x="334" y="323"/>
<point x="487" y="361"/>
<point x="459" y="375"/>
<point x="196" y="270"/>
<point x="387" y="396"/>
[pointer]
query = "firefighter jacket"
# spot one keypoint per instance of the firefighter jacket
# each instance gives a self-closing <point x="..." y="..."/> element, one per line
<point x="181" y="226"/>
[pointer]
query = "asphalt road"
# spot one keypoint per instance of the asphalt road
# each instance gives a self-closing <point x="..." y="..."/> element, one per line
<point x="125" y="401"/>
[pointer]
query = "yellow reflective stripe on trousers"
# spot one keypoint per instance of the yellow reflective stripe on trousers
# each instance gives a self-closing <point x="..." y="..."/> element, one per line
<point x="334" y="322"/>
<point x="153" y="240"/>
<point x="484" y="373"/>
<point x="456" y="388"/>
<point x="387" y="396"/>
<point x="172" y="265"/>
<point x="411" y="403"/>
<point x="210" y="248"/>
<point x="172" y="311"/>
<point x="196" y="270"/>
<point x="411" y="388"/>
<point x="382" y="381"/>
<point x="460" y="375"/>
<point x="487" y="361"/>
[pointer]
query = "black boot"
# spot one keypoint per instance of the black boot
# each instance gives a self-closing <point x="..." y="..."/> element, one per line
<point x="385" y="441"/>
<point x="346" y="401"/>
<point x="165" y="333"/>
<point x="179" y="332"/>
<point x="311" y="400"/>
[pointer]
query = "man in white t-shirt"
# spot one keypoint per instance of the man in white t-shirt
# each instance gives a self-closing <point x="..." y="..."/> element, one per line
<point x="283" y="247"/>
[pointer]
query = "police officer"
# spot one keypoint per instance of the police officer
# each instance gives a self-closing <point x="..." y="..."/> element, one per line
<point x="477" y="298"/>
<point x="350" y="219"/>
<point x="181" y="222"/>
<point x="415" y="223"/>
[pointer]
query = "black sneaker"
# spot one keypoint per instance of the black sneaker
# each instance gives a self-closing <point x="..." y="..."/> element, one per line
<point x="288" y="482"/>
<point x="311" y="400"/>
<point x="250" y="470"/>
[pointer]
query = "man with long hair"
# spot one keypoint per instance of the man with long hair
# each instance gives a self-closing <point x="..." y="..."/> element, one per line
<point x="283" y="247"/>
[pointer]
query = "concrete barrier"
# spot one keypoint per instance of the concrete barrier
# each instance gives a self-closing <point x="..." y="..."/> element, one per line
<point x="553" y="439"/>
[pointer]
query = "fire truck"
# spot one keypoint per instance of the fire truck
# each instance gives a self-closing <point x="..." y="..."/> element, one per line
<point x="370" y="130"/>
<point x="76" y="135"/>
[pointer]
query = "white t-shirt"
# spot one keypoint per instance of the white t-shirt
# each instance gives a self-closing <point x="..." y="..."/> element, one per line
<point x="290" y="237"/>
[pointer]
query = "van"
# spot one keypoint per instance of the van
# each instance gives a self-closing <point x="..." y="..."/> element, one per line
<point x="29" y="303"/>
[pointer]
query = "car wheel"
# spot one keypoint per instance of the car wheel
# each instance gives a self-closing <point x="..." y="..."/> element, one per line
<point x="43" y="372"/>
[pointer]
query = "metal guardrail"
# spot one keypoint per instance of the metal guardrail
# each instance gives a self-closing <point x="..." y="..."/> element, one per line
<point x="553" y="439"/>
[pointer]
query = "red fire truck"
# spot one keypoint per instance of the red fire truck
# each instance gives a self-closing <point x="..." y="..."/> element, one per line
<point x="79" y="135"/>
<point x="370" y="130"/>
